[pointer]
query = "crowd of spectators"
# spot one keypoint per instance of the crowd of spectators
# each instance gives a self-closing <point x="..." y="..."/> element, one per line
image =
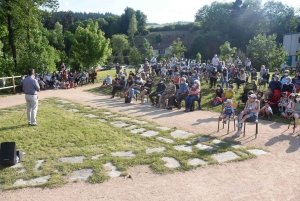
<point x="169" y="83"/>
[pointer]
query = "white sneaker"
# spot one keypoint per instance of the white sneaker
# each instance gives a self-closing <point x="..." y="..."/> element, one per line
<point x="238" y="125"/>
<point x="237" y="134"/>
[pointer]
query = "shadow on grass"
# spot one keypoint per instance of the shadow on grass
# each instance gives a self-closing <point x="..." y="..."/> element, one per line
<point x="13" y="127"/>
<point x="294" y="142"/>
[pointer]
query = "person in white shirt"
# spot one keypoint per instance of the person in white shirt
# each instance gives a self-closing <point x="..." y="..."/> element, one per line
<point x="266" y="110"/>
<point x="153" y="60"/>
<point x="228" y="61"/>
<point x="215" y="60"/>
<point x="282" y="67"/>
<point x="174" y="59"/>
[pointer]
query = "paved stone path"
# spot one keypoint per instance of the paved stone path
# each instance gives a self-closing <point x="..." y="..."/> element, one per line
<point x="269" y="177"/>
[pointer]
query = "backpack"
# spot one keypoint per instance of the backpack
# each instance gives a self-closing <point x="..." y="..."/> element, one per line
<point x="217" y="101"/>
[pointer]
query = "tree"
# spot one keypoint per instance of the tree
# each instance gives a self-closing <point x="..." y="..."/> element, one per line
<point x="159" y="37"/>
<point x="134" y="56"/>
<point x="89" y="46"/>
<point x="198" y="57"/>
<point x="132" y="29"/>
<point x="125" y="20"/>
<point x="147" y="50"/>
<point x="141" y="20"/>
<point x="263" y="50"/>
<point x="178" y="48"/>
<point x="226" y="50"/>
<point x="119" y="43"/>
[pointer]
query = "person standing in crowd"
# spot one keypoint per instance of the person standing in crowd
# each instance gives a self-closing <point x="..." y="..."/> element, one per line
<point x="228" y="61"/>
<point x="282" y="67"/>
<point x="215" y="60"/>
<point x="296" y="82"/>
<point x="174" y="58"/>
<point x="248" y="65"/>
<point x="30" y="88"/>
<point x="118" y="68"/>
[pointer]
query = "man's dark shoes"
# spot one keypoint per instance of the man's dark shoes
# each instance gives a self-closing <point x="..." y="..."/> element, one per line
<point x="34" y="125"/>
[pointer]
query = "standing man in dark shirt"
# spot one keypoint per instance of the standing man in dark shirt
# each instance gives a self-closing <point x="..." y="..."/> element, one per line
<point x="158" y="92"/>
<point x="118" y="68"/>
<point x="30" y="88"/>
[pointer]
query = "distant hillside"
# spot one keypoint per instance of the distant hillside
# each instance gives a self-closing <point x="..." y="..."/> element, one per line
<point x="168" y="37"/>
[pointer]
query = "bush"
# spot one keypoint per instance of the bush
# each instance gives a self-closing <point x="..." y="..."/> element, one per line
<point x="145" y="32"/>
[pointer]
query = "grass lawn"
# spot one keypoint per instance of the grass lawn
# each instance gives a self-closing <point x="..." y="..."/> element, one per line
<point x="62" y="133"/>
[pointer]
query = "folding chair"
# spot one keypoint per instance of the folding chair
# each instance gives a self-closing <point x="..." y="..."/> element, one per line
<point x="235" y="106"/>
<point x="292" y="120"/>
<point x="254" y="122"/>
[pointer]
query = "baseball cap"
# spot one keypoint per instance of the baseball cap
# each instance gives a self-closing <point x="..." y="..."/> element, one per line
<point x="252" y="96"/>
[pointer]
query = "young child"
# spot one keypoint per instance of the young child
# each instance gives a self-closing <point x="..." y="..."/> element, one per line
<point x="259" y="95"/>
<point x="253" y="82"/>
<point x="266" y="110"/>
<point x="227" y="111"/>
<point x="289" y="107"/>
<point x="283" y="102"/>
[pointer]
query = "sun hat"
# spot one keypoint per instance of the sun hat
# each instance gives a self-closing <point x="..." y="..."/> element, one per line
<point x="228" y="101"/>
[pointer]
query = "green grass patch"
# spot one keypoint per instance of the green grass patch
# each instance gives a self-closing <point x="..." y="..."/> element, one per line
<point x="62" y="133"/>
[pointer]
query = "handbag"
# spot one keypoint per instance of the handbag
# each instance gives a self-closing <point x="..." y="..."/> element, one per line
<point x="127" y="99"/>
<point x="216" y="101"/>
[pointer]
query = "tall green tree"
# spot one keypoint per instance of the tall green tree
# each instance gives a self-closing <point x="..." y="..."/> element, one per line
<point x="119" y="43"/>
<point x="263" y="50"/>
<point x="141" y="20"/>
<point x="132" y="29"/>
<point x="147" y="50"/>
<point x="89" y="46"/>
<point x="226" y="50"/>
<point x="178" y="48"/>
<point x="134" y="57"/>
<point x="158" y="37"/>
<point x="125" y="19"/>
<point x="198" y="57"/>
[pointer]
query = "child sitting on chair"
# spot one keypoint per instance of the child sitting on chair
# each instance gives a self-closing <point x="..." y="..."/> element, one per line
<point x="227" y="111"/>
<point x="266" y="110"/>
<point x="283" y="102"/>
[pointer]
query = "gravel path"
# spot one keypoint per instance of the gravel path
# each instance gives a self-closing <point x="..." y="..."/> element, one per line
<point x="274" y="176"/>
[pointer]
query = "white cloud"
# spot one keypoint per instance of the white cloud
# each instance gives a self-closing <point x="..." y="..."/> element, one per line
<point x="67" y="3"/>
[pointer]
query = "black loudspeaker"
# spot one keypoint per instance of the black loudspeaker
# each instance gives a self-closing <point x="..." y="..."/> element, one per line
<point x="8" y="153"/>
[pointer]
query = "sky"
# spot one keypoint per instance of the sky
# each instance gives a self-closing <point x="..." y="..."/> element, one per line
<point x="157" y="11"/>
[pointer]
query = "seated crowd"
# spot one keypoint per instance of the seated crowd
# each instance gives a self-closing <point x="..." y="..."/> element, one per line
<point x="169" y="83"/>
<point x="64" y="79"/>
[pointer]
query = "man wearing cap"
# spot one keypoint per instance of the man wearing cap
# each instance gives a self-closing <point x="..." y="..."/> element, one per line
<point x="107" y="80"/>
<point x="158" y="92"/>
<point x="273" y="85"/>
<point x="180" y="96"/>
<point x="30" y="88"/>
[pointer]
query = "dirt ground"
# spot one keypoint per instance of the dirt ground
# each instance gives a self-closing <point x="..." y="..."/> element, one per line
<point x="274" y="176"/>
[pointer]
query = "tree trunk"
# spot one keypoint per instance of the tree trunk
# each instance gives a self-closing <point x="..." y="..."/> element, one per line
<point x="12" y="39"/>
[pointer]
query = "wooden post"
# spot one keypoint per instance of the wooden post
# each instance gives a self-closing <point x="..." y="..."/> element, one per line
<point x="14" y="86"/>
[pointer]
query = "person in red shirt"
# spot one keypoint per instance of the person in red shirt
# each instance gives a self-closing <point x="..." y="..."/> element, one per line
<point x="64" y="75"/>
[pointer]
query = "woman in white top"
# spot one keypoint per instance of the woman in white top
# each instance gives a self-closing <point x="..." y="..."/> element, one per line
<point x="250" y="113"/>
<point x="241" y="78"/>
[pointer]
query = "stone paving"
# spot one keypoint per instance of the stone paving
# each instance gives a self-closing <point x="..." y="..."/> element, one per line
<point x="169" y="162"/>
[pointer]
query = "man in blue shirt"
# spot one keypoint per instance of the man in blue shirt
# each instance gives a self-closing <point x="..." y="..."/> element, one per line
<point x="180" y="96"/>
<point x="30" y="88"/>
<point x="273" y="85"/>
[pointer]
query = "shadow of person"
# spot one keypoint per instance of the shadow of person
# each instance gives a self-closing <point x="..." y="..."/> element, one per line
<point x="294" y="142"/>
